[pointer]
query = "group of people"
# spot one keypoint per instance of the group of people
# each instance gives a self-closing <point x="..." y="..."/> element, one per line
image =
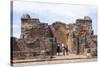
<point x="62" y="49"/>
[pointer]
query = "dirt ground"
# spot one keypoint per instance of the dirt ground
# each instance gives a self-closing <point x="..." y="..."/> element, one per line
<point x="55" y="60"/>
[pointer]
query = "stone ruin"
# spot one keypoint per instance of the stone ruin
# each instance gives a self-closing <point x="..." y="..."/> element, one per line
<point x="37" y="37"/>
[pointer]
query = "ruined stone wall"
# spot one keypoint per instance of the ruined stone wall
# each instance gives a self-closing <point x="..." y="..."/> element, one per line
<point x="70" y="39"/>
<point x="39" y="36"/>
<point x="84" y="32"/>
<point x="27" y="24"/>
<point x="60" y="33"/>
<point x="14" y="46"/>
<point x="36" y="36"/>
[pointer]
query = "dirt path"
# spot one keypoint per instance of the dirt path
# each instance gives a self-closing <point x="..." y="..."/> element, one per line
<point x="55" y="60"/>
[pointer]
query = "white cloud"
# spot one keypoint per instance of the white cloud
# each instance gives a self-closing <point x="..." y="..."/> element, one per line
<point x="57" y="9"/>
<point x="17" y="35"/>
<point x="16" y="30"/>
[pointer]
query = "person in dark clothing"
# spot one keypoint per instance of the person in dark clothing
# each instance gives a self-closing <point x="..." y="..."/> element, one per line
<point x="58" y="49"/>
<point x="66" y="49"/>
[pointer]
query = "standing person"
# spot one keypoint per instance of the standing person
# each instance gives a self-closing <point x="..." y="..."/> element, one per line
<point x="66" y="49"/>
<point x="63" y="49"/>
<point x="58" y="49"/>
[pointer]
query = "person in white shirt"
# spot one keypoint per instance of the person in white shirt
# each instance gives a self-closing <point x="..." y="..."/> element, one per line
<point x="63" y="49"/>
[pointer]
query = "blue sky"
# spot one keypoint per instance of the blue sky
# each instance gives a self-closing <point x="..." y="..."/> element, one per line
<point x="50" y="12"/>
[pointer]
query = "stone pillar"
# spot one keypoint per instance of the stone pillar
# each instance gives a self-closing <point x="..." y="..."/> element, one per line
<point x="70" y="44"/>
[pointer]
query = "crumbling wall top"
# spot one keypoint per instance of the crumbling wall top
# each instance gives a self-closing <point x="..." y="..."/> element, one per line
<point x="25" y="16"/>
